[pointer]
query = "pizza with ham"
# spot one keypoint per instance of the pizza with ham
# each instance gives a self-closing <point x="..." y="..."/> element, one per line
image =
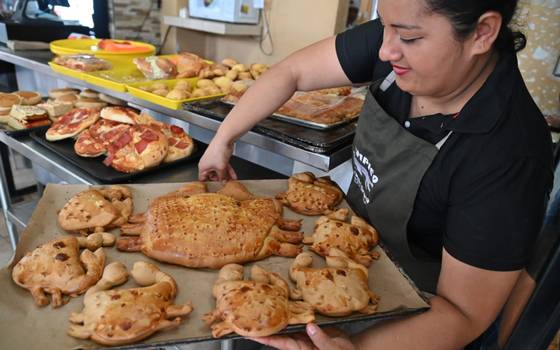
<point x="138" y="148"/>
<point x="72" y="123"/>
<point x="94" y="141"/>
<point x="181" y="145"/>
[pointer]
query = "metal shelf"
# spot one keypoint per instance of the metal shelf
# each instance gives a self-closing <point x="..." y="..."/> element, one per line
<point x="20" y="213"/>
<point x="214" y="27"/>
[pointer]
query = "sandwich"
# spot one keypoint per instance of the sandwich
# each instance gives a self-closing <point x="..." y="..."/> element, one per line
<point x="56" y="93"/>
<point x="25" y="117"/>
<point x="55" y="109"/>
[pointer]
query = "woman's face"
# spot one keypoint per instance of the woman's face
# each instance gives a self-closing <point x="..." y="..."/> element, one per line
<point x="423" y="50"/>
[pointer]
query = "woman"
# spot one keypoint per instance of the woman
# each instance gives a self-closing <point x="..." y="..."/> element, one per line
<point x="458" y="158"/>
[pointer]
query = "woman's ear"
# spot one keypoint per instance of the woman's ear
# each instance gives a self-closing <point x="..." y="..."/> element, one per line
<point x="486" y="32"/>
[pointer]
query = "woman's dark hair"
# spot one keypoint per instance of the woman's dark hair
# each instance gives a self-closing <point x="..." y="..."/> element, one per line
<point x="464" y="15"/>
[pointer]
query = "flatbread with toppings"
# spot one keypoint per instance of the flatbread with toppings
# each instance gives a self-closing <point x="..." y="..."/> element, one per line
<point x="94" y="141"/>
<point x="72" y="123"/>
<point x="139" y="148"/>
<point x="181" y="145"/>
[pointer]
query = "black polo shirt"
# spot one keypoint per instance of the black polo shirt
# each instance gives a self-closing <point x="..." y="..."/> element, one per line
<point x="483" y="197"/>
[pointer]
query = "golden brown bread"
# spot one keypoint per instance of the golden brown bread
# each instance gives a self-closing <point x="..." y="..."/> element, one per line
<point x="253" y="308"/>
<point x="309" y="195"/>
<point x="198" y="229"/>
<point x="124" y="316"/>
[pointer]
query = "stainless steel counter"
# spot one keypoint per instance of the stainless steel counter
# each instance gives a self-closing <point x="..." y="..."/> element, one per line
<point x="37" y="62"/>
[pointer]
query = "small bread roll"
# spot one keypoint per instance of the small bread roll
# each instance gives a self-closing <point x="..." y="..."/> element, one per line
<point x="161" y="92"/>
<point x="230" y="62"/>
<point x="202" y="83"/>
<point x="239" y="86"/>
<point x="198" y="93"/>
<point x="232" y="74"/>
<point x="240" y="67"/>
<point x="178" y="94"/>
<point x="245" y="76"/>
<point x="183" y="85"/>
<point x="159" y="86"/>
<point x="146" y="88"/>
<point x="206" y="73"/>
<point x="224" y="83"/>
<point x="212" y="90"/>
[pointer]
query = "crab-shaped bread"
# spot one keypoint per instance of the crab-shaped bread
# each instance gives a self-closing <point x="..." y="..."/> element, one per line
<point x="309" y="195"/>
<point x="96" y="210"/>
<point x="355" y="239"/>
<point x="194" y="228"/>
<point x="338" y="289"/>
<point x="254" y="308"/>
<point x="124" y="316"/>
<point x="57" y="268"/>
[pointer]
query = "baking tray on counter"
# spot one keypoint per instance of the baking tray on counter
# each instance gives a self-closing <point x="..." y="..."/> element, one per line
<point x="306" y="123"/>
<point x="19" y="316"/>
<point x="317" y="141"/>
<point x="95" y="167"/>
<point x="23" y="132"/>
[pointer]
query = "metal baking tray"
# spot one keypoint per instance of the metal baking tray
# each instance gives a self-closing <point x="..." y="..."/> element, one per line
<point x="306" y="123"/>
<point x="19" y="316"/>
<point x="95" y="166"/>
<point x="23" y="132"/>
<point x="313" y="140"/>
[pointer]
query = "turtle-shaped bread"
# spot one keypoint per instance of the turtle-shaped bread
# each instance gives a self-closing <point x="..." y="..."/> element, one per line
<point x="309" y="195"/>
<point x="124" y="316"/>
<point x="338" y="289"/>
<point x="254" y="308"/>
<point x="96" y="210"/>
<point x="57" y="267"/>
<point x="194" y="228"/>
<point x="355" y="239"/>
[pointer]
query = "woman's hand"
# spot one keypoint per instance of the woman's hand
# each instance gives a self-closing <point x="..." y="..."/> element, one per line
<point x="214" y="164"/>
<point x="316" y="338"/>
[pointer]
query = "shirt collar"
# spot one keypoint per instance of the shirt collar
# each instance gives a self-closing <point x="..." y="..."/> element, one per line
<point x="486" y="107"/>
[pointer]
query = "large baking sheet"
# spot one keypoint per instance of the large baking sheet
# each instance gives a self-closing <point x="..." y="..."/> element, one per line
<point x="313" y="140"/>
<point x="96" y="168"/>
<point x="25" y="326"/>
<point x="306" y="123"/>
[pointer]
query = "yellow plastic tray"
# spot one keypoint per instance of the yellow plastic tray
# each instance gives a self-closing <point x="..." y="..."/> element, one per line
<point x="134" y="90"/>
<point x="87" y="46"/>
<point x="115" y="79"/>
<point x="67" y="71"/>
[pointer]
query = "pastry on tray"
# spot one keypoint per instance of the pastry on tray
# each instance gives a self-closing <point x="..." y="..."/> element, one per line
<point x="254" y="308"/>
<point x="72" y="123"/>
<point x="195" y="228"/>
<point x="338" y="289"/>
<point x="309" y="195"/>
<point x="85" y="63"/>
<point x="57" y="268"/>
<point x="94" y="141"/>
<point x="355" y="239"/>
<point x="181" y="145"/>
<point x="125" y="316"/>
<point x="96" y="210"/>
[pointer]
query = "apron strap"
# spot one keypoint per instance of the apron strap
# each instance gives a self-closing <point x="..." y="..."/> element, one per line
<point x="442" y="141"/>
<point x="389" y="79"/>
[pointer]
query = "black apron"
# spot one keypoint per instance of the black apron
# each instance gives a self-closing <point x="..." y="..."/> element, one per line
<point x="389" y="163"/>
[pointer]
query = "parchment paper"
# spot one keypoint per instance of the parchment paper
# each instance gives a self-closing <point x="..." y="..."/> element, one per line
<point x="23" y="325"/>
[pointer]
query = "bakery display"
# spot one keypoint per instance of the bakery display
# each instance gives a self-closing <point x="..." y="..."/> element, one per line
<point x="338" y="289"/>
<point x="124" y="316"/>
<point x="84" y="63"/>
<point x="355" y="239"/>
<point x="96" y="210"/>
<point x="309" y="195"/>
<point x="72" y="123"/>
<point x="26" y="117"/>
<point x="254" y="308"/>
<point x="57" y="268"/>
<point x="180" y="229"/>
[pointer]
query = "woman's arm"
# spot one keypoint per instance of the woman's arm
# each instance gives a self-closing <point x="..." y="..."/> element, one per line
<point x="314" y="67"/>
<point x="469" y="299"/>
